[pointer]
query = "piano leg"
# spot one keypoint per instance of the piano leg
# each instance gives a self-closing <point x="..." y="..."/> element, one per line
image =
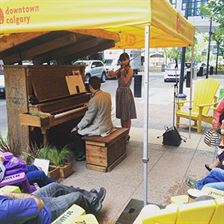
<point x="44" y="133"/>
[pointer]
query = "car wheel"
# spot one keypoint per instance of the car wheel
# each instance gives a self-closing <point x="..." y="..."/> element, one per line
<point x="103" y="77"/>
<point x="87" y="77"/>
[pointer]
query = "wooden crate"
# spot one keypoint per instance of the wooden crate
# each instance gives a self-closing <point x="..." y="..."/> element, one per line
<point x="104" y="153"/>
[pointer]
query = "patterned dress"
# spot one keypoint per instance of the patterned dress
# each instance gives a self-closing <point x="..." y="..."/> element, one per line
<point x="125" y="104"/>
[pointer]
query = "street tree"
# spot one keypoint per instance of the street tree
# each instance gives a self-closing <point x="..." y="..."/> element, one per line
<point x="218" y="37"/>
<point x="214" y="9"/>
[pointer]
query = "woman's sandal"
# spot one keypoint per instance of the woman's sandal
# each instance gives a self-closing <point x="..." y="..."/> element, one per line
<point x="128" y="139"/>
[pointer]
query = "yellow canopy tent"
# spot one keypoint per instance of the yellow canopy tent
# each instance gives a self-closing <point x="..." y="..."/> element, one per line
<point x="126" y="18"/>
<point x="131" y="23"/>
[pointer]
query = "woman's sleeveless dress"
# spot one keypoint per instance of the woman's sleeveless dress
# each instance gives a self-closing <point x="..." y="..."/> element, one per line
<point x="125" y="104"/>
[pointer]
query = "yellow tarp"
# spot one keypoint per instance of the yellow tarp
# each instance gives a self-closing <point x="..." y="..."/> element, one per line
<point x="127" y="18"/>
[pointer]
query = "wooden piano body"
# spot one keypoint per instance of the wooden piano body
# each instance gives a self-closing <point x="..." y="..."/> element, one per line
<point x="40" y="108"/>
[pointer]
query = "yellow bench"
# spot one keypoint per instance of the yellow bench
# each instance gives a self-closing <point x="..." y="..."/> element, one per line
<point x="75" y="215"/>
<point x="201" y="212"/>
<point x="70" y="215"/>
<point x="10" y="189"/>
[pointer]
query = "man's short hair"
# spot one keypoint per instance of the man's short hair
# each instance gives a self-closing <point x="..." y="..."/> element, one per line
<point x="95" y="82"/>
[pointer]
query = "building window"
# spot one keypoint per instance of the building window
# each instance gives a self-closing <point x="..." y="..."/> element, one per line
<point x="193" y="6"/>
<point x="173" y="3"/>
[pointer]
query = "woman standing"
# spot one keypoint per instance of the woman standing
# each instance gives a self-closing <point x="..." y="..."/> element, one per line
<point x="125" y="105"/>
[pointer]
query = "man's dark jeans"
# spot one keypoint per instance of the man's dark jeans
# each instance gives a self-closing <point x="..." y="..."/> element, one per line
<point x="78" y="143"/>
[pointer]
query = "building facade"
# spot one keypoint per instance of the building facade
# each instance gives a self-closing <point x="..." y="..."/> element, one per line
<point x="193" y="13"/>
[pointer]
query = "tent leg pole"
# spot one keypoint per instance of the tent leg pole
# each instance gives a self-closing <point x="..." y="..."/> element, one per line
<point x="145" y="158"/>
<point x="190" y="106"/>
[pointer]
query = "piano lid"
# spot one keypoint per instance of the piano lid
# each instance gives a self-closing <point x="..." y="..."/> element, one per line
<point x="49" y="82"/>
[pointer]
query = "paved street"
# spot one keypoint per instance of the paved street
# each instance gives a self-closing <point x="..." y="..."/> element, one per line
<point x="161" y="98"/>
<point x="160" y="101"/>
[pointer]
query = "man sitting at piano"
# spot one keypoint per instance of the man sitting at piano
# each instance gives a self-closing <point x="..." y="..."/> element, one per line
<point x="97" y="119"/>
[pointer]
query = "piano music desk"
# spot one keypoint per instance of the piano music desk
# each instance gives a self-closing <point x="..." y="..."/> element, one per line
<point x="104" y="153"/>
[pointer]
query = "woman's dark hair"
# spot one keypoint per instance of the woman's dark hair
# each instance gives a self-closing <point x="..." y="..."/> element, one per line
<point x="95" y="82"/>
<point x="123" y="57"/>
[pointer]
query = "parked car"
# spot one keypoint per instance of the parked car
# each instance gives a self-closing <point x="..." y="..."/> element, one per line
<point x="93" y="68"/>
<point x="202" y="68"/>
<point x="172" y="74"/>
<point x="111" y="65"/>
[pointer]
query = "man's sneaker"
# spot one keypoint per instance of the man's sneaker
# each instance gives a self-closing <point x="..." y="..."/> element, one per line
<point x="94" y="191"/>
<point x="81" y="157"/>
<point x="191" y="182"/>
<point x="98" y="203"/>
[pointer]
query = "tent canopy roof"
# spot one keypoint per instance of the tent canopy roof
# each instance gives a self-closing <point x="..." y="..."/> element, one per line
<point x="121" y="21"/>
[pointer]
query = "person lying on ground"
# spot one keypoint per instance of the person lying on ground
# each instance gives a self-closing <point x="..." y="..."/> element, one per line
<point x="214" y="179"/>
<point x="47" y="203"/>
<point x="13" y="165"/>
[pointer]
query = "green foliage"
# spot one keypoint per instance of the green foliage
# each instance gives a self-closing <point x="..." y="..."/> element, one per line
<point x="4" y="146"/>
<point x="172" y="53"/>
<point x="221" y="67"/>
<point x="56" y="156"/>
<point x="214" y="8"/>
<point x="43" y="152"/>
<point x="218" y="37"/>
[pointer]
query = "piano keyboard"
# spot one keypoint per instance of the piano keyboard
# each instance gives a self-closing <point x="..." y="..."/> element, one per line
<point x="63" y="114"/>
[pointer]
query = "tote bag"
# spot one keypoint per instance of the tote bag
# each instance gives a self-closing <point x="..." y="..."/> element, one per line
<point x="212" y="138"/>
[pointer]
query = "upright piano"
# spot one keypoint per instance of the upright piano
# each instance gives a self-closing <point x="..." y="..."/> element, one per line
<point x="41" y="107"/>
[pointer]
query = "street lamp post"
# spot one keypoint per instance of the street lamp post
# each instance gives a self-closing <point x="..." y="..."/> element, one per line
<point x="181" y="81"/>
<point x="209" y="47"/>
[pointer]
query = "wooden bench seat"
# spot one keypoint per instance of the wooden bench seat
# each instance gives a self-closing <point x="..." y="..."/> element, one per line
<point x="104" y="153"/>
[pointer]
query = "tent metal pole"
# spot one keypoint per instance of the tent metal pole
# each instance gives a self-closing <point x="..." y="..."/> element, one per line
<point x="145" y="158"/>
<point x="190" y="105"/>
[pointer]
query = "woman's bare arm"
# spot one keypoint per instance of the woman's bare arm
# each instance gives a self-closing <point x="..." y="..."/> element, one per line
<point x="112" y="73"/>
<point x="128" y="75"/>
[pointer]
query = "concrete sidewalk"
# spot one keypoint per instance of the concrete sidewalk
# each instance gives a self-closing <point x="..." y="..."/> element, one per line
<point x="168" y="168"/>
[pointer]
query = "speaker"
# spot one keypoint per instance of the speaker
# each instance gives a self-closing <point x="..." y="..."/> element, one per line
<point x="188" y="79"/>
<point x="138" y="86"/>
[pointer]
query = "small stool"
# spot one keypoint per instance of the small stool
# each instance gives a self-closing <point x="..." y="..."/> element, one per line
<point x="104" y="153"/>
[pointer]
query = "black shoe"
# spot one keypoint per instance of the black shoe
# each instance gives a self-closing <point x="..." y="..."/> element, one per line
<point x="94" y="191"/>
<point x="98" y="203"/>
<point x="191" y="182"/>
<point x="81" y="157"/>
<point x="207" y="167"/>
